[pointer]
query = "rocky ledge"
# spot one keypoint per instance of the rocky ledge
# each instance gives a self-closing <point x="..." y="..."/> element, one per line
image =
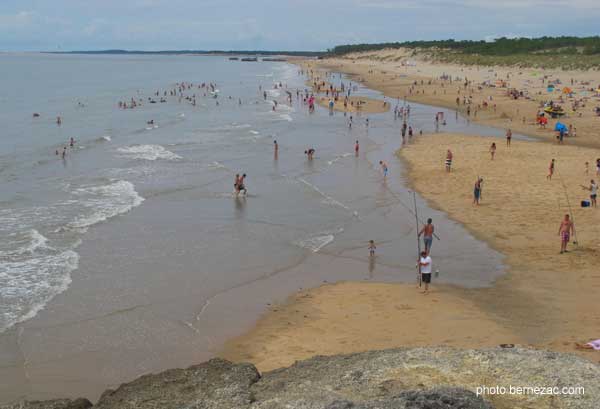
<point x="420" y="378"/>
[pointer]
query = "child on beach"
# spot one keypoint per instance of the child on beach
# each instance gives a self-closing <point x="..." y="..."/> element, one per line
<point x="508" y="137"/>
<point x="493" y="150"/>
<point x="372" y="248"/>
<point x="448" y="160"/>
<point x="384" y="168"/>
<point x="550" y="170"/>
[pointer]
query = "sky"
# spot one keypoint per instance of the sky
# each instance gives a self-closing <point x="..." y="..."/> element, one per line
<point x="303" y="25"/>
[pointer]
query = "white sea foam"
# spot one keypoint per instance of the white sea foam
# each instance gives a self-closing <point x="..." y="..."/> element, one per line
<point x="232" y="127"/>
<point x="254" y="132"/>
<point x="28" y="284"/>
<point x="339" y="157"/>
<point x="105" y="138"/>
<point x="215" y="165"/>
<point x="105" y="201"/>
<point x="19" y="244"/>
<point x="327" y="200"/>
<point x="148" y="152"/>
<point x="315" y="243"/>
<point x="286" y="117"/>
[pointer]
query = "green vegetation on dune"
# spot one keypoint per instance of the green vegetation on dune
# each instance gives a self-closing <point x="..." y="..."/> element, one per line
<point x="551" y="52"/>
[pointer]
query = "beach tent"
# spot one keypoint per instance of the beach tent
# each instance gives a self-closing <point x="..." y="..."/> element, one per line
<point x="560" y="127"/>
<point x="567" y="90"/>
<point x="550" y="89"/>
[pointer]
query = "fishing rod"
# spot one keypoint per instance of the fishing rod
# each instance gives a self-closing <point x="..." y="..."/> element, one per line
<point x="419" y="278"/>
<point x="411" y="210"/>
<point x="576" y="242"/>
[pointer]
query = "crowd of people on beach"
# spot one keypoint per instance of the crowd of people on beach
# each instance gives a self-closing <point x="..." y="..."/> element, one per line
<point x="322" y="83"/>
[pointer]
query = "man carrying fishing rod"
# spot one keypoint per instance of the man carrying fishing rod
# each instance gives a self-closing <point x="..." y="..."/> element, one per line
<point x="424" y="262"/>
<point x="425" y="270"/>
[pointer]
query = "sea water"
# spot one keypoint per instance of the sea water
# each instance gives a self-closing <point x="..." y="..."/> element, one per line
<point x="135" y="245"/>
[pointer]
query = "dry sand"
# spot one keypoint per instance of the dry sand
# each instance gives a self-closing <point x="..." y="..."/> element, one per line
<point x="547" y="300"/>
<point x="394" y="72"/>
<point x="353" y="317"/>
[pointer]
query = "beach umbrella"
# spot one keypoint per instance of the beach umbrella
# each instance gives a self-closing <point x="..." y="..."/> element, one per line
<point x="567" y="90"/>
<point x="560" y="127"/>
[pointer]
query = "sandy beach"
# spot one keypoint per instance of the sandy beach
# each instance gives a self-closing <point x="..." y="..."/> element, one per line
<point x="400" y="74"/>
<point x="545" y="301"/>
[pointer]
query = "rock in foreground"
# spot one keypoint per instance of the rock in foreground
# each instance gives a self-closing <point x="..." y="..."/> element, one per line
<point x="421" y="378"/>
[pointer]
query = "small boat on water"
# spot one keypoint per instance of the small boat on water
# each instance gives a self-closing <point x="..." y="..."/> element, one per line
<point x="234" y="58"/>
<point x="249" y="59"/>
<point x="275" y="59"/>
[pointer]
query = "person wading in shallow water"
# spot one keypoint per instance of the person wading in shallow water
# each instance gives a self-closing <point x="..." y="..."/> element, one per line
<point x="427" y="232"/>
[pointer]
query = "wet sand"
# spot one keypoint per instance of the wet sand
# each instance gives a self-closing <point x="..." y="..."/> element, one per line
<point x="356" y="105"/>
<point x="547" y="300"/>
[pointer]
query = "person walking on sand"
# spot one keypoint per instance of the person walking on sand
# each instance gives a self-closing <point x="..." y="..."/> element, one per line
<point x="593" y="192"/>
<point x="550" y="170"/>
<point x="427" y="232"/>
<point x="477" y="191"/>
<point x="448" y="160"/>
<point x="508" y="137"/>
<point x="564" y="231"/>
<point x="425" y="268"/>
<point x="384" y="168"/>
<point x="493" y="150"/>
<point x="275" y="149"/>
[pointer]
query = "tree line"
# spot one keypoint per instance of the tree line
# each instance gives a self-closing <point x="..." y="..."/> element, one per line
<point x="501" y="46"/>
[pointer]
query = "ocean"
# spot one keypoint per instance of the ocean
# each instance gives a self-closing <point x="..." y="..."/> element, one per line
<point x="132" y="253"/>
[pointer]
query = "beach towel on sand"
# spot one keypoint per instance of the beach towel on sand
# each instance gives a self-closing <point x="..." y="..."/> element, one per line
<point x="595" y="344"/>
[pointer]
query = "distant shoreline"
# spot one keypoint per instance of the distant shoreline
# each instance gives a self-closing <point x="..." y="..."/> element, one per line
<point x="193" y="52"/>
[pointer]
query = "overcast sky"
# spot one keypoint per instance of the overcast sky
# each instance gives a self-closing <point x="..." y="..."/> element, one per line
<point x="29" y="25"/>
